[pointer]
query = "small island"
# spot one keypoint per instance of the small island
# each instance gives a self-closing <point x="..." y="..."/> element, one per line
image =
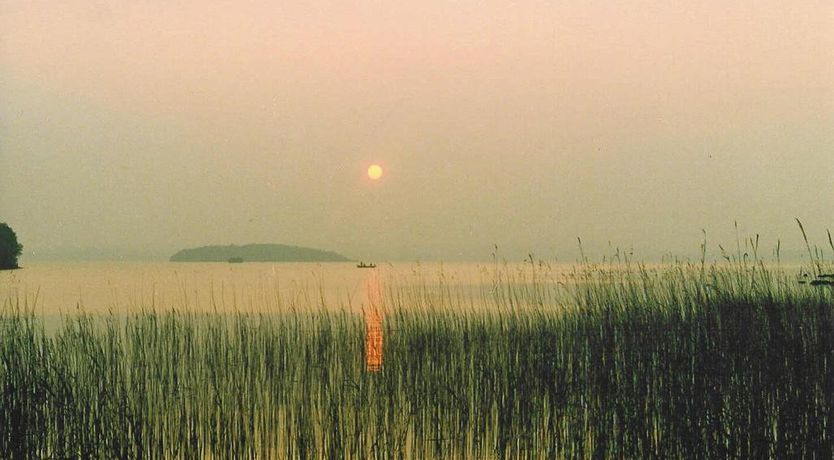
<point x="256" y="253"/>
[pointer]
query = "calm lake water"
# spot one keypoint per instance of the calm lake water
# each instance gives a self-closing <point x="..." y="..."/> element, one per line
<point x="56" y="288"/>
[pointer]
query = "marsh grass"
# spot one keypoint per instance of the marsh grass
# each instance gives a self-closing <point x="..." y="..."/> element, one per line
<point x="692" y="361"/>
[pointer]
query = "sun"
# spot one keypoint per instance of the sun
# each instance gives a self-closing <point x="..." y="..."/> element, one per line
<point x="375" y="172"/>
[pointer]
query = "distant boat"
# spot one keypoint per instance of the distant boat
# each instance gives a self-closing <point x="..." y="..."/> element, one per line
<point x="822" y="279"/>
<point x="236" y="260"/>
<point x="364" y="265"/>
<point x="822" y="282"/>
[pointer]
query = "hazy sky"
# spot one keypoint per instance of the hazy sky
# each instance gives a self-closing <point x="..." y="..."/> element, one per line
<point x="145" y="126"/>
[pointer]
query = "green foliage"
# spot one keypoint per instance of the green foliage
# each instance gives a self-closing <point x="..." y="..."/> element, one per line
<point x="10" y="249"/>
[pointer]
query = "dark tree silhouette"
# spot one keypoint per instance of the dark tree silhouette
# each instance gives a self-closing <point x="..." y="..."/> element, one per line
<point x="9" y="247"/>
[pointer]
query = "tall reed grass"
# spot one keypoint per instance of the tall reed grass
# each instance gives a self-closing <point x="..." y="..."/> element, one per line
<point x="692" y="361"/>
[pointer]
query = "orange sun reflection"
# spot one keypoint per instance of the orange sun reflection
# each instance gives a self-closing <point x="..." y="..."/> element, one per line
<point x="373" y="325"/>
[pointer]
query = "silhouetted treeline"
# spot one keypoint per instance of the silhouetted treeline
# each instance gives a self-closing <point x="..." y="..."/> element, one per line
<point x="257" y="253"/>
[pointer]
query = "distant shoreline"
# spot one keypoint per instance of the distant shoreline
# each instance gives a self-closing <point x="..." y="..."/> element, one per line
<point x="257" y="253"/>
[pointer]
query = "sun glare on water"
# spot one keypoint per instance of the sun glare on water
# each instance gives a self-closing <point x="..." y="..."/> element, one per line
<point x="375" y="172"/>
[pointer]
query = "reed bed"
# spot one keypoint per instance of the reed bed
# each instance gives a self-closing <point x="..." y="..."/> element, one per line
<point x="692" y="361"/>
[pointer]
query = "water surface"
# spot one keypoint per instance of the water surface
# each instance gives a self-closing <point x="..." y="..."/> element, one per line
<point x="55" y="288"/>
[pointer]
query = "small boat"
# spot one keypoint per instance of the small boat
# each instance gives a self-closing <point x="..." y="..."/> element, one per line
<point x="364" y="265"/>
<point x="822" y="279"/>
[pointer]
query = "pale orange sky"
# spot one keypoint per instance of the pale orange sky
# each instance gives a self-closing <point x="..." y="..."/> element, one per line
<point x="144" y="127"/>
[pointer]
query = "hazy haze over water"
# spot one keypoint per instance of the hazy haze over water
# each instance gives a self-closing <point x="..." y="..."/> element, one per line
<point x="140" y="128"/>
